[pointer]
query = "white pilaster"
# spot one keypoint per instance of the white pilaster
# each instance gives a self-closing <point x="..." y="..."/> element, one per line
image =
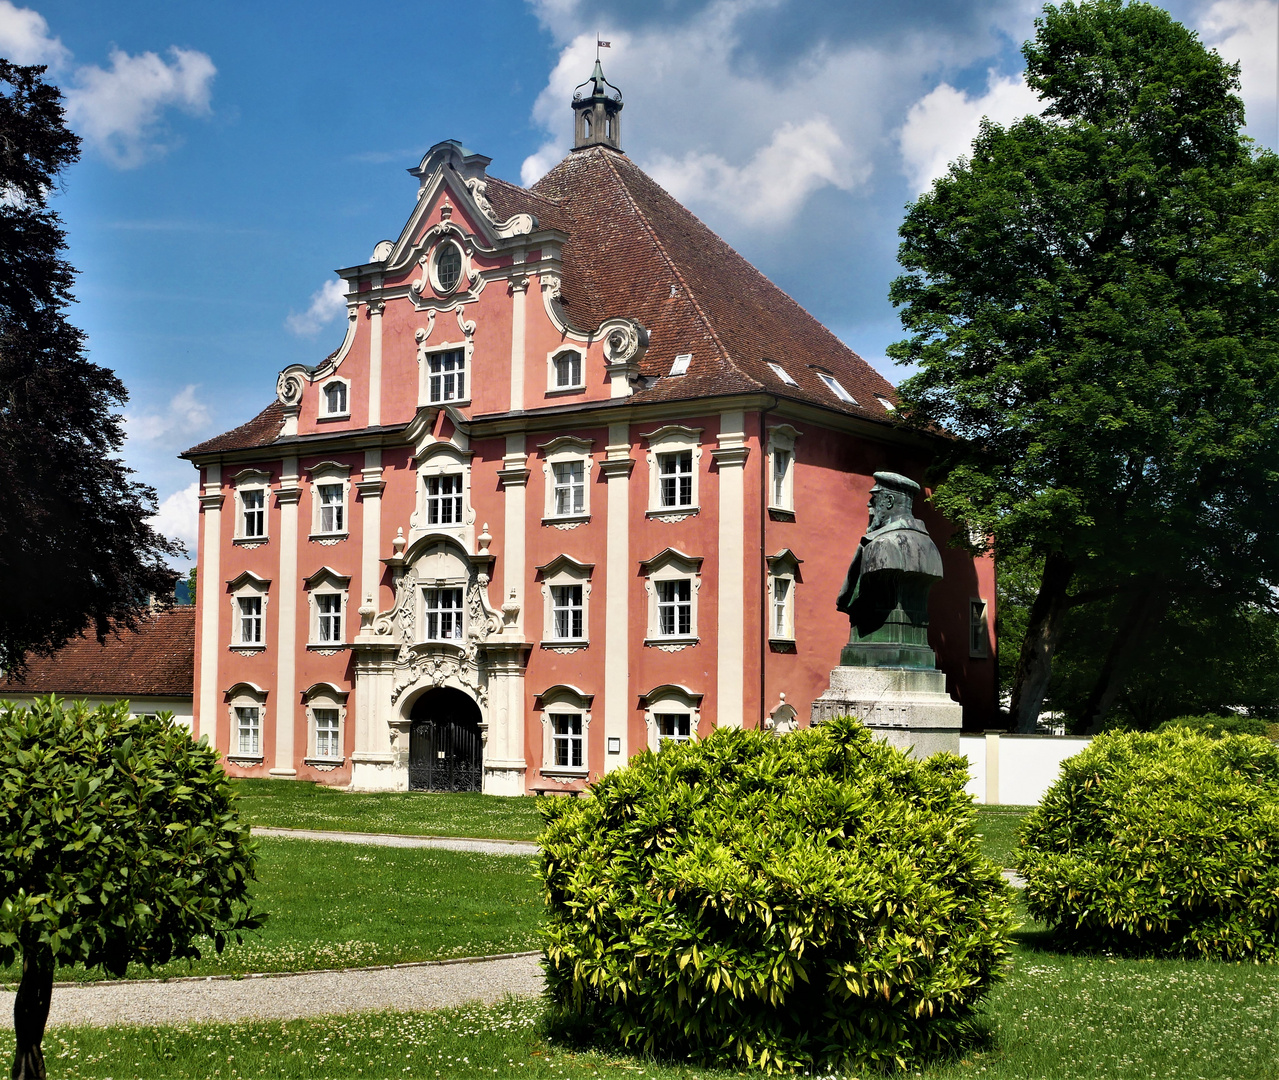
<point x="370" y="487"/>
<point x="514" y="477"/>
<point x="617" y="466"/>
<point x="285" y="707"/>
<point x="375" y="362"/>
<point x="730" y="455"/>
<point x="519" y="294"/>
<point x="209" y="594"/>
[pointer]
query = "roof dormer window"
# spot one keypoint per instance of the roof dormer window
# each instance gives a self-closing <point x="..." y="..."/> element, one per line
<point x="836" y="388"/>
<point x="335" y="399"/>
<point x="782" y="373"/>
<point x="680" y="364"/>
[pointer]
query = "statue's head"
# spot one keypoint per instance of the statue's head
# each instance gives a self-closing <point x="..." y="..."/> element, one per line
<point x="892" y="497"/>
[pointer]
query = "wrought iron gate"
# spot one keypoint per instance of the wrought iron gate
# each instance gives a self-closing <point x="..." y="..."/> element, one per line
<point x="444" y="755"/>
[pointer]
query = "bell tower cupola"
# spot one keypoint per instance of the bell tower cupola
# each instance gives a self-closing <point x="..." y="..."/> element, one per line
<point x="597" y="112"/>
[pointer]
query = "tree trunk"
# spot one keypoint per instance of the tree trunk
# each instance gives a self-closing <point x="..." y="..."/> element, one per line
<point x="1047" y="620"/>
<point x="1146" y="609"/>
<point x="31" y="1012"/>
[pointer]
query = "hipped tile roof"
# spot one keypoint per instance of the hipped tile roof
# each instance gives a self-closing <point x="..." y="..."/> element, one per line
<point x="634" y="251"/>
<point x="156" y="660"/>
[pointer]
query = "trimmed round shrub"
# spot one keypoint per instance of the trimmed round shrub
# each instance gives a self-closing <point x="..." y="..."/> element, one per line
<point x="1163" y="843"/>
<point x="816" y="901"/>
<point x="1215" y="727"/>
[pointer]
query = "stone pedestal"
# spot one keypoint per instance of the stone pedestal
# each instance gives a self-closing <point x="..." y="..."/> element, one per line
<point x="906" y="707"/>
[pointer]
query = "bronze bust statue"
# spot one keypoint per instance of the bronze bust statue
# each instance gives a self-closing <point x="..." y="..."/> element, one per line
<point x="885" y="593"/>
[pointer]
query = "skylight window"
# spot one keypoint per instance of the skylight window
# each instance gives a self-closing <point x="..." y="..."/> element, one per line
<point x="888" y="405"/>
<point x="782" y="374"/>
<point x="680" y="366"/>
<point x="836" y="388"/>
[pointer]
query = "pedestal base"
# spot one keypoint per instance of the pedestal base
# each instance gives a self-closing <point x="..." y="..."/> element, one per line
<point x="906" y="707"/>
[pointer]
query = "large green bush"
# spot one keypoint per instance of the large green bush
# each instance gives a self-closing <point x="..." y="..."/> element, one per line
<point x="1160" y="843"/>
<point x="814" y="901"/>
<point x="119" y="843"/>
<point x="1216" y="727"/>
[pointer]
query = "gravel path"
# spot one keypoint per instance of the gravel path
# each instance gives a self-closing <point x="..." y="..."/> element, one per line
<point x="436" y="985"/>
<point x="448" y="843"/>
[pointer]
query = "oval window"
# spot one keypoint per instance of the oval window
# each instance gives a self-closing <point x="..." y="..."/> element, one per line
<point x="448" y="267"/>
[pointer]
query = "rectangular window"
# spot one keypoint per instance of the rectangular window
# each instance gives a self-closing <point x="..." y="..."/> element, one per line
<point x="248" y="723"/>
<point x="250" y="620"/>
<point x="568" y="370"/>
<point x="444" y="499"/>
<point x="332" y="517"/>
<point x="254" y="503"/>
<point x="978" y="640"/>
<point x="335" y="398"/>
<point x="781" y="597"/>
<point x="566" y="606"/>
<point x="326" y="733"/>
<point x="444" y="614"/>
<point x="329" y="606"/>
<point x="570" y="749"/>
<point x="675" y="608"/>
<point x="676" y="473"/>
<point x="673" y="727"/>
<point x="781" y="466"/>
<point x="570" y="487"/>
<point x="448" y="375"/>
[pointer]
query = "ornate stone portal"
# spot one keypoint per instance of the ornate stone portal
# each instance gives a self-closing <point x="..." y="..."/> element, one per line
<point x="887" y="675"/>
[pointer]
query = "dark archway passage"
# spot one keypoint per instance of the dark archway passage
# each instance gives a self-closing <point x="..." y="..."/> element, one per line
<point x="444" y="742"/>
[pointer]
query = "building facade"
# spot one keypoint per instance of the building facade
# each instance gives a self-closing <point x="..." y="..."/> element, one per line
<point x="578" y="479"/>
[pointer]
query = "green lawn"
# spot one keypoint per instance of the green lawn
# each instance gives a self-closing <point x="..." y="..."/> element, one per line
<point x="293" y="804"/>
<point x="1057" y="1018"/>
<point x="348" y="905"/>
<point x="998" y="826"/>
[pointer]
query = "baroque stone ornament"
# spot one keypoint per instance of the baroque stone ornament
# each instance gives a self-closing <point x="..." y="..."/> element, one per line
<point x="625" y="341"/>
<point x="288" y="388"/>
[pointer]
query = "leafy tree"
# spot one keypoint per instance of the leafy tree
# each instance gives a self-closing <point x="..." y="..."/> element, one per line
<point x="1093" y="309"/>
<point x="119" y="843"/>
<point x="75" y="546"/>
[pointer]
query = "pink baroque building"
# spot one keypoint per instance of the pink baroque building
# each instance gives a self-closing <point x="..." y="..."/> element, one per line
<point x="579" y="479"/>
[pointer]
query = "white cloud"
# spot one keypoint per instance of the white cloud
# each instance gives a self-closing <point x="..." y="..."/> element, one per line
<point x="772" y="187"/>
<point x="118" y="110"/>
<point x="184" y="416"/>
<point x="179" y="516"/>
<point x="24" y="38"/>
<point x="941" y="126"/>
<point x="327" y="303"/>
<point x="538" y="164"/>
<point x="1245" y="31"/>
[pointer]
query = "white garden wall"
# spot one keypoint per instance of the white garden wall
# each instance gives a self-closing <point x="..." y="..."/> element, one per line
<point x="1015" y="770"/>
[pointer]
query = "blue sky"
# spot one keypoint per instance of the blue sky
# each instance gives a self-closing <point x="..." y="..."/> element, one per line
<point x="235" y="153"/>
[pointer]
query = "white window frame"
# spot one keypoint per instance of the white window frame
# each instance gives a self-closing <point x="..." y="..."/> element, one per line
<point x="553" y="385"/>
<point x="330" y="474"/>
<point x="667" y="699"/>
<point x="424" y="354"/>
<point x="438" y="460"/>
<point x="836" y="387"/>
<point x="258" y="482"/>
<point x="557" y="701"/>
<point x="978" y="629"/>
<point x="324" y="696"/>
<point x="326" y="411"/>
<point x="248" y="586"/>
<point x="246" y="695"/>
<point x="446" y="611"/>
<point x="671" y="565"/>
<point x="433" y="264"/>
<point x="782" y="373"/>
<point x="327" y="582"/>
<point x="783" y="577"/>
<point x="565" y="571"/>
<point x="448" y="379"/>
<point x="566" y="450"/>
<point x="446" y="507"/>
<point x="672" y="439"/>
<point x="781" y="496"/>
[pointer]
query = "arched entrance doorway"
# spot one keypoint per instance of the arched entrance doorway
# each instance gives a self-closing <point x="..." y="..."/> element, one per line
<point x="444" y="742"/>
